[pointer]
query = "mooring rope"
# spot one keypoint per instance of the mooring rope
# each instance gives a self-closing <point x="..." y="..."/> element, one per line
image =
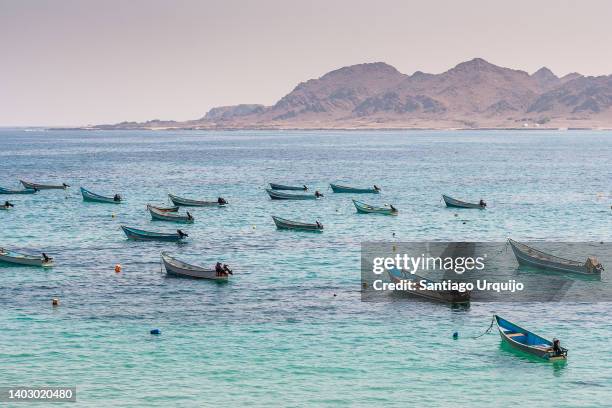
<point x="488" y="330"/>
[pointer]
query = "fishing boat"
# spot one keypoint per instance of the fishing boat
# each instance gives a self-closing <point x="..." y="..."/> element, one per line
<point x="275" y="186"/>
<point x="165" y="209"/>
<point x="454" y="203"/>
<point x="24" y="191"/>
<point x="13" y="257"/>
<point x="93" y="197"/>
<point x="282" y="223"/>
<point x="6" y="206"/>
<point x="180" y="268"/>
<point x="36" y="186"/>
<point x="138" y="234"/>
<point x="278" y="195"/>
<point x="529" y="342"/>
<point x="336" y="188"/>
<point x="186" y="202"/>
<point x="364" y="208"/>
<point x="170" y="216"/>
<point x="448" y="296"/>
<point x="526" y="255"/>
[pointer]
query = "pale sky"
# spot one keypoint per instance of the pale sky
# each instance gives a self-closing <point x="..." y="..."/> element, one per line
<point x="104" y="61"/>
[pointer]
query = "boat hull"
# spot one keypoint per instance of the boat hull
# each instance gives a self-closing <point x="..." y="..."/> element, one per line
<point x="169" y="216"/>
<point x="24" y="191"/>
<point x="275" y="186"/>
<point x="277" y="195"/>
<point x="23" y="259"/>
<point x="178" y="268"/>
<point x="364" y="208"/>
<point x="527" y="256"/>
<point x="453" y="203"/>
<point x="186" y="202"/>
<point x="526" y="341"/>
<point x="282" y="223"/>
<point x="97" y="198"/>
<point x="165" y="209"/>
<point x="42" y="186"/>
<point x="141" y="235"/>
<point x="345" y="189"/>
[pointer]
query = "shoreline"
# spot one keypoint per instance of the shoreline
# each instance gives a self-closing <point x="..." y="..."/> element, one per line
<point x="344" y="129"/>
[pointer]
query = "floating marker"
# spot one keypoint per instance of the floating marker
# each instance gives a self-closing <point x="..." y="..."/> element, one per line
<point x="455" y="335"/>
<point x="55" y="302"/>
<point x="118" y="268"/>
<point x="155" y="332"/>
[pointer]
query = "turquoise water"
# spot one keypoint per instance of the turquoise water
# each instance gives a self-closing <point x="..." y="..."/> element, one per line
<point x="276" y="335"/>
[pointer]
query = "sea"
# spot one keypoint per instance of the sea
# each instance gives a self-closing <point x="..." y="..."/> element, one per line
<point x="290" y="328"/>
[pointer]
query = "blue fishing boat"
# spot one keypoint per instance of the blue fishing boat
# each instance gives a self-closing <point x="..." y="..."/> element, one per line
<point x="9" y="256"/>
<point x="24" y="191"/>
<point x="282" y="223"/>
<point x="275" y="186"/>
<point x="187" y="202"/>
<point x="278" y="195"/>
<point x="454" y="203"/>
<point x="526" y="255"/>
<point x="93" y="197"/>
<point x="36" y="186"/>
<point x="336" y="188"/>
<point x="142" y="235"/>
<point x="157" y="215"/>
<point x="364" y="208"/>
<point x="528" y="342"/>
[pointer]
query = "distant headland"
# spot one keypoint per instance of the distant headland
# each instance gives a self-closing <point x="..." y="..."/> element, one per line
<point x="473" y="95"/>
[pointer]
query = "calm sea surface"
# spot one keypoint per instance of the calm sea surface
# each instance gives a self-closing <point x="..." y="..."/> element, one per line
<point x="276" y="335"/>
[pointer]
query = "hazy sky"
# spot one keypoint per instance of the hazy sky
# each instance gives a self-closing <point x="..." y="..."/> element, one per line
<point x="79" y="62"/>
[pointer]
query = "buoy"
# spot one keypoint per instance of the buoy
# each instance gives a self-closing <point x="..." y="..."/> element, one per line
<point x="118" y="268"/>
<point x="464" y="222"/>
<point x="113" y="215"/>
<point x="455" y="335"/>
<point x="55" y="302"/>
<point x="254" y="227"/>
<point x="334" y="295"/>
<point x="456" y="215"/>
<point x="155" y="332"/>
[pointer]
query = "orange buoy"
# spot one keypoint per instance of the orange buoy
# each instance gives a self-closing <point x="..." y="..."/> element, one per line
<point x="55" y="302"/>
<point x="118" y="268"/>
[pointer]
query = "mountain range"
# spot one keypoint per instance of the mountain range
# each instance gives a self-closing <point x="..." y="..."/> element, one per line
<point x="474" y="94"/>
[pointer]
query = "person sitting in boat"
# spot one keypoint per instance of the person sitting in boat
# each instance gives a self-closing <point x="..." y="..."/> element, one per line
<point x="221" y="201"/>
<point x="65" y="185"/>
<point x="7" y="204"/>
<point x="45" y="257"/>
<point x="376" y="187"/>
<point x="227" y="269"/>
<point x="392" y="208"/>
<point x="319" y="225"/>
<point x="305" y="188"/>
<point x="482" y="203"/>
<point x="117" y="198"/>
<point x="181" y="233"/>
<point x="189" y="216"/>
<point x="317" y="194"/>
